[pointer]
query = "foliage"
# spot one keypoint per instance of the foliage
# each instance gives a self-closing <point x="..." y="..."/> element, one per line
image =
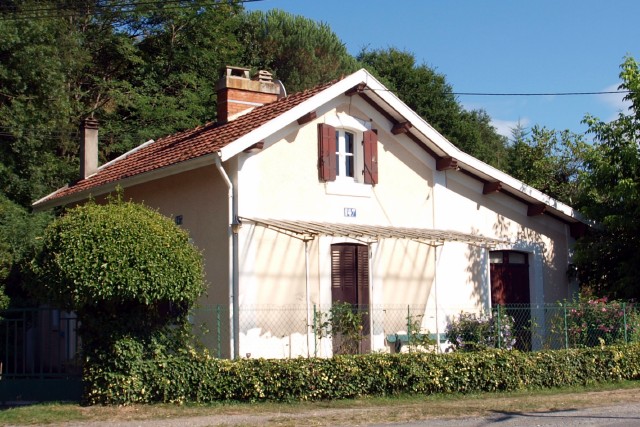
<point x="592" y="322"/>
<point x="548" y="160"/>
<point x="344" y="323"/>
<point x="299" y="51"/>
<point x="196" y="377"/>
<point x="418" y="337"/>
<point x="118" y="252"/>
<point x="428" y="94"/>
<point x="18" y="237"/>
<point x="471" y="332"/>
<point x="126" y="270"/>
<point x="608" y="257"/>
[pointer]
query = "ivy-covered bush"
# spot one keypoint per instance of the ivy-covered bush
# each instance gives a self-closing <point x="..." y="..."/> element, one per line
<point x="196" y="377"/>
<point x="472" y="332"/>
<point x="596" y="321"/>
<point x="130" y="274"/>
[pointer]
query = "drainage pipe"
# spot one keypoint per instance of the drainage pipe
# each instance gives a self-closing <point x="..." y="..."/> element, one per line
<point x="233" y="344"/>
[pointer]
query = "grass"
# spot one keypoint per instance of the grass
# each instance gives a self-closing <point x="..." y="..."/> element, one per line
<point x="343" y="412"/>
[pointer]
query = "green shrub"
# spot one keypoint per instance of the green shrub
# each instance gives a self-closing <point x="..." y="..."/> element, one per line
<point x="344" y="322"/>
<point x="131" y="275"/>
<point x="193" y="376"/>
<point x="595" y="321"/>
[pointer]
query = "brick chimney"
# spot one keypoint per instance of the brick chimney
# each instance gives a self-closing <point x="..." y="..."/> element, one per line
<point x="238" y="93"/>
<point x="88" y="147"/>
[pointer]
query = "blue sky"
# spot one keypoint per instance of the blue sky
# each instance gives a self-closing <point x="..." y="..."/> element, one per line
<point x="499" y="46"/>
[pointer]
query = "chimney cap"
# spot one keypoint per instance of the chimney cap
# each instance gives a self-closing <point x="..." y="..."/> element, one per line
<point x="240" y="72"/>
<point x="264" y="76"/>
<point x="89" y="123"/>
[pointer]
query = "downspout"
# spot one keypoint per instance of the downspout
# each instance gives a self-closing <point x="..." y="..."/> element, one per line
<point x="233" y="237"/>
<point x="308" y="297"/>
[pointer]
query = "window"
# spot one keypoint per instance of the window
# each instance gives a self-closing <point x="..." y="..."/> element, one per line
<point x="345" y="154"/>
<point x="341" y="157"/>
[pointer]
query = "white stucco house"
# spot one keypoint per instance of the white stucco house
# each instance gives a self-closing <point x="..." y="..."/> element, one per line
<point x="344" y="193"/>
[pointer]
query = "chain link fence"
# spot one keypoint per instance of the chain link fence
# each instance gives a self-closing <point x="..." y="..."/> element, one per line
<point x="44" y="342"/>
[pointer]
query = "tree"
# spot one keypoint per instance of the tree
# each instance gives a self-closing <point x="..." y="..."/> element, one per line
<point x="18" y="238"/>
<point x="120" y="266"/>
<point x="427" y="93"/>
<point x="547" y="160"/>
<point x="608" y="257"/>
<point x="300" y="52"/>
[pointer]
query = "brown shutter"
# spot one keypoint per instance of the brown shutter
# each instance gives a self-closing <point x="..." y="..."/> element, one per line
<point x="343" y="273"/>
<point x="370" y="149"/>
<point x="326" y="152"/>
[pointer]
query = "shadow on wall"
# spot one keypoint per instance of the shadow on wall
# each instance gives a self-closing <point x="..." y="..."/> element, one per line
<point x="478" y="273"/>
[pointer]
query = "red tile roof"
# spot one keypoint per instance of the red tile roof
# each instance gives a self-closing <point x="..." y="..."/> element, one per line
<point x="183" y="146"/>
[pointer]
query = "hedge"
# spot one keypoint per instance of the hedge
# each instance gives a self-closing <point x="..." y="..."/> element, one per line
<point x="196" y="377"/>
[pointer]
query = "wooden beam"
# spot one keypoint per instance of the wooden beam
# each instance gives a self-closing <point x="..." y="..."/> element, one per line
<point x="446" y="163"/>
<point x="311" y="115"/>
<point x="578" y="229"/>
<point x="399" y="128"/>
<point x="359" y="88"/>
<point x="255" y="147"/>
<point x="491" y="187"/>
<point x="536" y="209"/>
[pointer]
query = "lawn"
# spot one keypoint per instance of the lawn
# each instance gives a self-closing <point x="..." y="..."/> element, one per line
<point x="343" y="412"/>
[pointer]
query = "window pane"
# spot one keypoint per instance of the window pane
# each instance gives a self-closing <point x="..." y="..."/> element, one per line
<point x="348" y="143"/>
<point x="349" y="166"/>
<point x="495" y="257"/>
<point x="517" y="258"/>
<point x="337" y="164"/>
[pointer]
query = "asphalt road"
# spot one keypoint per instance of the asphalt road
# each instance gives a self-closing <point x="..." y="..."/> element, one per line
<point x="618" y="415"/>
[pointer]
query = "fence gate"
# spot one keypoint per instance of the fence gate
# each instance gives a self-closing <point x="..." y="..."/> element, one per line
<point x="39" y="356"/>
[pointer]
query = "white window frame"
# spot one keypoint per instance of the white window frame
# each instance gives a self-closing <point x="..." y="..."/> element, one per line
<point x="346" y="185"/>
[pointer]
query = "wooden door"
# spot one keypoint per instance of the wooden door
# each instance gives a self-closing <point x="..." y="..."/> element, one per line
<point x="510" y="289"/>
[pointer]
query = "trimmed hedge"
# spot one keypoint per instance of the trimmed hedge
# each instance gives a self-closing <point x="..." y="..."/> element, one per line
<point x="197" y="377"/>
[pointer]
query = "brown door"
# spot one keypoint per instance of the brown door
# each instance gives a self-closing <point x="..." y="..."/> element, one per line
<point x="350" y="284"/>
<point x="510" y="290"/>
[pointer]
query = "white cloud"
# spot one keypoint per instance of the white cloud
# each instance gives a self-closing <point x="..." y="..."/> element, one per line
<point x="504" y="127"/>
<point x="615" y="101"/>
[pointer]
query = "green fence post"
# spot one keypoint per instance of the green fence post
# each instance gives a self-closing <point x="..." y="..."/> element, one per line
<point x="566" y="331"/>
<point x="624" y="318"/>
<point x="498" y="323"/>
<point x="315" y="334"/>
<point x="218" y="329"/>
<point x="409" y="328"/>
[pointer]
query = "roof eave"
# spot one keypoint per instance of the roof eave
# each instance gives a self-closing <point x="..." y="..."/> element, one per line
<point x="51" y="201"/>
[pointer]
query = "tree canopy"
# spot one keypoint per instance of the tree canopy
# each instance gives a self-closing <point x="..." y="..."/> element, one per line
<point x="609" y="256"/>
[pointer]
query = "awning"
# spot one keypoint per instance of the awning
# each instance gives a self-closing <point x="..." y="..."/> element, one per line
<point x="308" y="230"/>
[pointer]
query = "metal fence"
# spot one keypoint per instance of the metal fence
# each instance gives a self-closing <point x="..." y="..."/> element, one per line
<point x="280" y="332"/>
<point x="43" y="343"/>
<point x="38" y="343"/>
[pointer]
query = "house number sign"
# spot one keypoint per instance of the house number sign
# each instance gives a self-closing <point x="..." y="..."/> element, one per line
<point x="350" y="212"/>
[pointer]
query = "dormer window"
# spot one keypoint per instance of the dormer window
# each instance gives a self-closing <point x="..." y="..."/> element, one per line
<point x="347" y="153"/>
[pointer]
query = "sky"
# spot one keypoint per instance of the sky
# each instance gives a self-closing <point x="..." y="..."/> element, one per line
<point x="499" y="46"/>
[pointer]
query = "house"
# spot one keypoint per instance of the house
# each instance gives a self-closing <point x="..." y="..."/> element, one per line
<point x="338" y="193"/>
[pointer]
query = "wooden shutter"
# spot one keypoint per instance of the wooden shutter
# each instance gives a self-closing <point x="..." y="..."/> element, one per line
<point x="326" y="152"/>
<point x="370" y="150"/>
<point x="343" y="273"/>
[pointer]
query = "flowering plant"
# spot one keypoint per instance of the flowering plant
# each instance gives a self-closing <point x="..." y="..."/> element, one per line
<point x="592" y="321"/>
<point x="472" y="332"/>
